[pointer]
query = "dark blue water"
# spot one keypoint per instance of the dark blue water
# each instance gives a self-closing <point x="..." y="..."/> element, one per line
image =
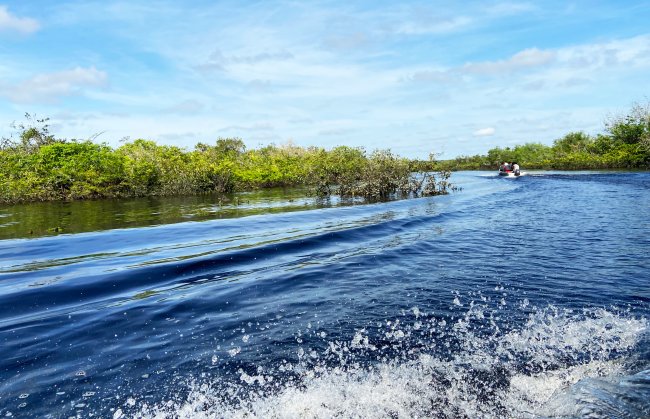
<point x="525" y="297"/>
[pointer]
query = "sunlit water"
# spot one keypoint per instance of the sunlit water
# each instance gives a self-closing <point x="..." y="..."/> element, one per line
<point x="525" y="297"/>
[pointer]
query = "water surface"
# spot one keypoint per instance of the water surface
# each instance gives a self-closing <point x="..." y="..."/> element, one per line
<point x="53" y="218"/>
<point x="522" y="297"/>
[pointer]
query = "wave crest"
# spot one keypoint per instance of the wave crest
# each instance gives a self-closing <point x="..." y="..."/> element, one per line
<point x="483" y="372"/>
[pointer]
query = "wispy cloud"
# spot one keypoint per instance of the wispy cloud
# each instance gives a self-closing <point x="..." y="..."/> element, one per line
<point x="434" y="76"/>
<point x="261" y="57"/>
<point x="189" y="106"/>
<point x="415" y="75"/>
<point x="257" y="126"/>
<point x="484" y="132"/>
<point x="50" y="87"/>
<point x="538" y="69"/>
<point x="347" y="41"/>
<point x="12" y="23"/>
<point x="219" y="61"/>
<point x="627" y="52"/>
<point x="335" y="131"/>
<point x="526" y="59"/>
<point x="434" y="26"/>
<point x="505" y="9"/>
<point x="584" y="66"/>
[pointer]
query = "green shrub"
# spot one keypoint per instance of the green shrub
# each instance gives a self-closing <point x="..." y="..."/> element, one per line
<point x="632" y="127"/>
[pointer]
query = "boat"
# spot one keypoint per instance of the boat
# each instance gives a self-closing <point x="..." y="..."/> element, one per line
<point x="509" y="173"/>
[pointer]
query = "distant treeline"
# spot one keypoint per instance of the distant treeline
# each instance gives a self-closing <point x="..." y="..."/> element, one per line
<point x="36" y="166"/>
<point x="625" y="144"/>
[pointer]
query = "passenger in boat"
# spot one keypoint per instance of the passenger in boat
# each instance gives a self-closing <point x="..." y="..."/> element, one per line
<point x="515" y="168"/>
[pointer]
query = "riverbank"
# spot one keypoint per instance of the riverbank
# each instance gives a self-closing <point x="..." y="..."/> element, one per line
<point x="40" y="167"/>
<point x="37" y="166"/>
<point x="619" y="158"/>
<point x="624" y="144"/>
<point x="592" y="153"/>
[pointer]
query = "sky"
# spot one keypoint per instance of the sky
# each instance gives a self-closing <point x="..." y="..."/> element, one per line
<point x="445" y="77"/>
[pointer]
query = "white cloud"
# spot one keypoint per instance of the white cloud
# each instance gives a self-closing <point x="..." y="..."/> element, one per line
<point x="389" y="69"/>
<point x="260" y="86"/>
<point x="49" y="87"/>
<point x="218" y="61"/>
<point x="351" y="41"/>
<point x="261" y="57"/>
<point x="434" y="26"/>
<point x="584" y="67"/>
<point x="509" y="8"/>
<point x="548" y="71"/>
<point x="335" y="131"/>
<point x="484" y="132"/>
<point x="189" y="106"/>
<point x="11" y="23"/>
<point x="528" y="58"/>
<point x="624" y="52"/>
<point x="433" y="76"/>
<point x="257" y="126"/>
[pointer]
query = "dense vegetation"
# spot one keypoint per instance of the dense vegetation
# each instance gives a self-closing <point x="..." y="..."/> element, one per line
<point x="625" y="144"/>
<point x="36" y="166"/>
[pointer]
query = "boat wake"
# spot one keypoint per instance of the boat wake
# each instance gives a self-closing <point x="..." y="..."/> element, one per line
<point x="557" y="364"/>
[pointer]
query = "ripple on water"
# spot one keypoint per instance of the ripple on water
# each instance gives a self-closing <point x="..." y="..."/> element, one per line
<point x="487" y="303"/>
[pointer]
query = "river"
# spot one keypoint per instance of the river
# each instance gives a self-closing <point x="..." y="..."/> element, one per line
<point x="525" y="297"/>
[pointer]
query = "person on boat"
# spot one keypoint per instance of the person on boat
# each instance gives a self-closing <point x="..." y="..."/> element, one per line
<point x="515" y="168"/>
<point x="504" y="167"/>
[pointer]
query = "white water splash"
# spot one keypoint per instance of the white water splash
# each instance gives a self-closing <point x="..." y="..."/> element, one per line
<point x="518" y="373"/>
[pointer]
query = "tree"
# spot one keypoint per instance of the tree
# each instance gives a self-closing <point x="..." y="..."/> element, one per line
<point x="230" y="146"/>
<point x="631" y="128"/>
<point x="32" y="134"/>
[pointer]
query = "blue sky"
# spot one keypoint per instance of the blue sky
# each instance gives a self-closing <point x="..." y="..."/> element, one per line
<point x="454" y="78"/>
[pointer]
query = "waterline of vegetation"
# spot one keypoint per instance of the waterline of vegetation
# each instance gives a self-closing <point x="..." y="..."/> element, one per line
<point x="625" y="144"/>
<point x="37" y="166"/>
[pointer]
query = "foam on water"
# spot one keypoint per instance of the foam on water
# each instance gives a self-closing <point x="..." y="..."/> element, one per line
<point x="553" y="365"/>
